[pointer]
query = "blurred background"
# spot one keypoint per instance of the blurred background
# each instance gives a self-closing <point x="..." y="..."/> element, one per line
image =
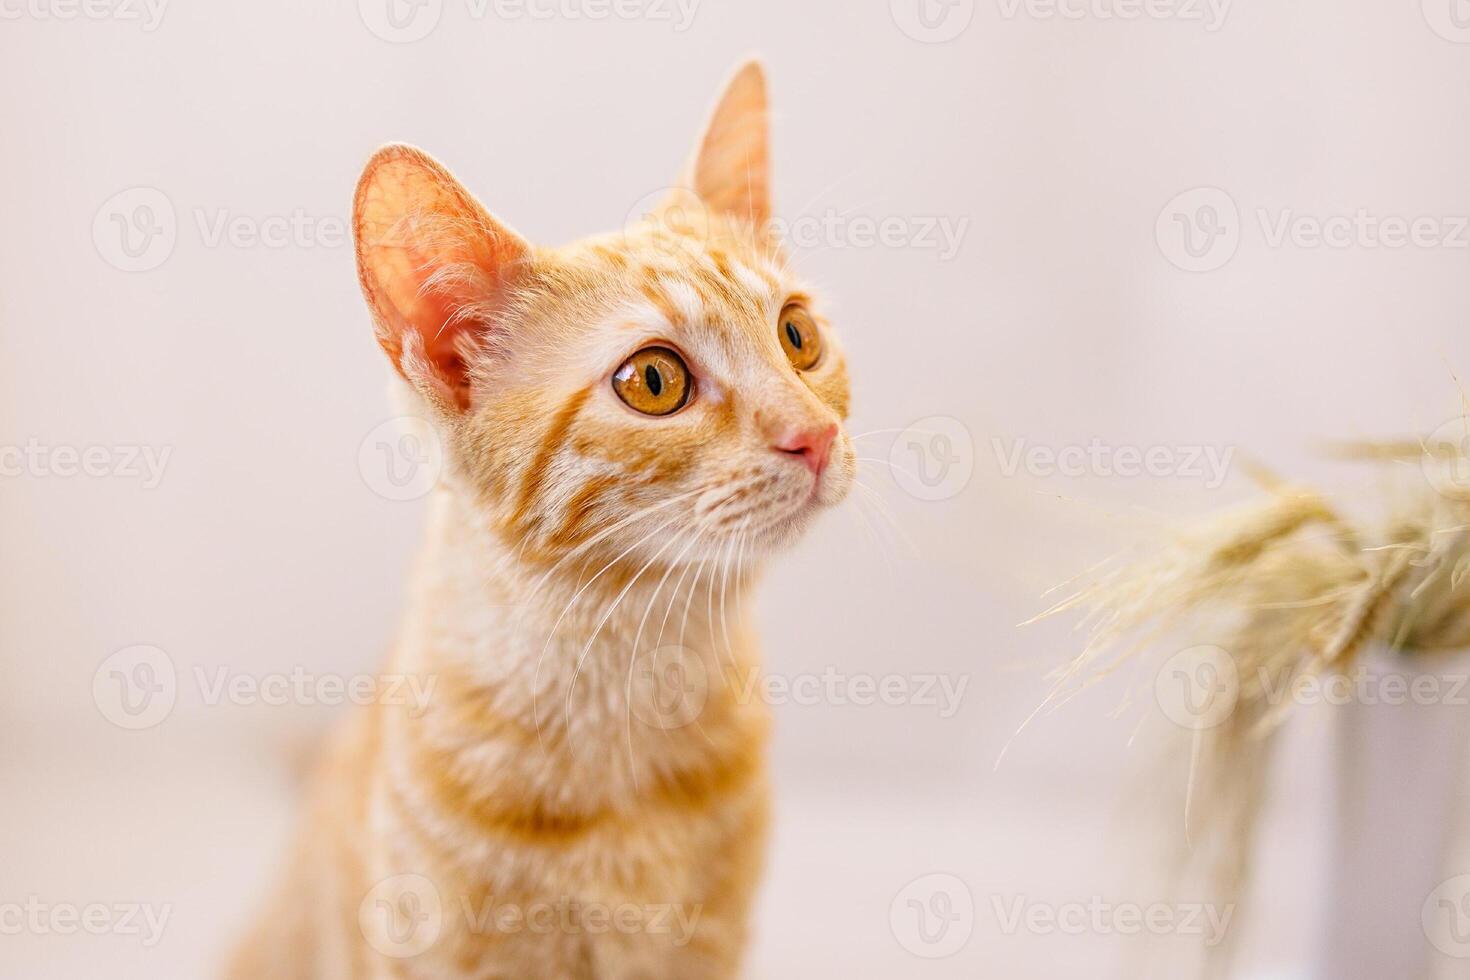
<point x="1089" y="258"/>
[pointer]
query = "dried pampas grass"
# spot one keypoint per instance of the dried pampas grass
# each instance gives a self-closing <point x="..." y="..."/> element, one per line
<point x="1289" y="588"/>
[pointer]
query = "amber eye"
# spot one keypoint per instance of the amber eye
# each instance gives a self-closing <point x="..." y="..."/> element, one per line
<point x="799" y="337"/>
<point x="654" y="381"/>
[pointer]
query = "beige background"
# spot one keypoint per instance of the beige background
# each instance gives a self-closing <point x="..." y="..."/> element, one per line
<point x="1063" y="318"/>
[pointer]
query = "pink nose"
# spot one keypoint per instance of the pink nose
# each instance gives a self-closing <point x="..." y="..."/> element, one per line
<point x="812" y="446"/>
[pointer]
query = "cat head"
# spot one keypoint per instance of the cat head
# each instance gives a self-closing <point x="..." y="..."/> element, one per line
<point x="661" y="392"/>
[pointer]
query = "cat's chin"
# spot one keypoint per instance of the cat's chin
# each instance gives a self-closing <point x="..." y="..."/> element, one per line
<point x="789" y="530"/>
<point x="784" y="530"/>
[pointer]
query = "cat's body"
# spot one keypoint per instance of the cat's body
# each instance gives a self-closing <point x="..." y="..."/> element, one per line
<point x="471" y="798"/>
<point x="583" y="795"/>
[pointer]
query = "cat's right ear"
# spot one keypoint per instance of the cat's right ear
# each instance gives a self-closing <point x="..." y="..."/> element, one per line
<point x="731" y="167"/>
<point x="437" y="270"/>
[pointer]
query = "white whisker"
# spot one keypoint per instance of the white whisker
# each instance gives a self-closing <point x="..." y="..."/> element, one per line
<point x="619" y="525"/>
<point x="886" y="462"/>
<point x="693" y="533"/>
<point x="587" y="648"/>
<point x="536" y="676"/>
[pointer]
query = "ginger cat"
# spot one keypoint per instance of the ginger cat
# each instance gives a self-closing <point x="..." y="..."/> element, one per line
<point x="631" y="424"/>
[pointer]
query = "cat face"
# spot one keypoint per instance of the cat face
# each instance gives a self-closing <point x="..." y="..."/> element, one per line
<point x="666" y="393"/>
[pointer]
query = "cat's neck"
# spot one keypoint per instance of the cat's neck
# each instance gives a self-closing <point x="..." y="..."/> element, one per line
<point x="568" y="643"/>
<point x="554" y="701"/>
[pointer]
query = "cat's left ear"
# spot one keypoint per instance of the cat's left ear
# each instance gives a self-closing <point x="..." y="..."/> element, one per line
<point x="731" y="168"/>
<point x="439" y="271"/>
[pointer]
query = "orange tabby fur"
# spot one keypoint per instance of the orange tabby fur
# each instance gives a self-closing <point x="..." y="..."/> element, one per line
<point x="572" y="543"/>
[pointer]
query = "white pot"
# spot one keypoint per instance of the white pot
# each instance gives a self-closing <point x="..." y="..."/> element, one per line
<point x="1397" y="902"/>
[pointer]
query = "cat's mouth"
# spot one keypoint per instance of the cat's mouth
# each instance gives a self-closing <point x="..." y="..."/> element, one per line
<point x="753" y="507"/>
<point x="769" y="509"/>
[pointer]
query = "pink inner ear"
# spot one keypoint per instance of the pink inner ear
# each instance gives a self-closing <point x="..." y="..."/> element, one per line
<point x="422" y="303"/>
<point x="433" y="316"/>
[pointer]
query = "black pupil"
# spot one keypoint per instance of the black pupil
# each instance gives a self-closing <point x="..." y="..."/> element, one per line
<point x="793" y="335"/>
<point x="654" y="379"/>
